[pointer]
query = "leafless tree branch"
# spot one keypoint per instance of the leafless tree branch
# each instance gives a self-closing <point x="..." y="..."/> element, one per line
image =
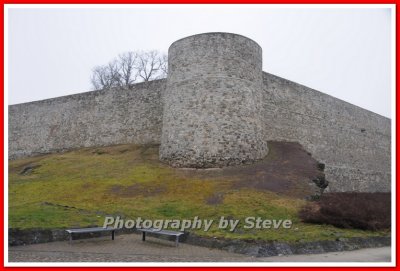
<point x="130" y="68"/>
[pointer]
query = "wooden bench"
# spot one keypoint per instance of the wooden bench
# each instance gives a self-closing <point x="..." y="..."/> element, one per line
<point x="161" y="232"/>
<point x="90" y="230"/>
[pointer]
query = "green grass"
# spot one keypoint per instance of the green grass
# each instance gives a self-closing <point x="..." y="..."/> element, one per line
<point x="79" y="188"/>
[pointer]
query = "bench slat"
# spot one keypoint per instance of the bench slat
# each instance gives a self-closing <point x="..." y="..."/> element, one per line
<point x="85" y="230"/>
<point x="162" y="232"/>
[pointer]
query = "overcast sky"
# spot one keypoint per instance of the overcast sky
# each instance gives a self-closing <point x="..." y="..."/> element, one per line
<point x="341" y="52"/>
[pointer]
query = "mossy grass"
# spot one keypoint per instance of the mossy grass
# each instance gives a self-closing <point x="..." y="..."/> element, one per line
<point x="79" y="188"/>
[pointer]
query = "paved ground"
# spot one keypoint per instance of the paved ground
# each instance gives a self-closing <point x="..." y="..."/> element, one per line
<point x="130" y="248"/>
<point x="381" y="254"/>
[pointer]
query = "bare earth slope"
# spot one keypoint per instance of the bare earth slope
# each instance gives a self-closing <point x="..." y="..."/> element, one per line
<point x="287" y="170"/>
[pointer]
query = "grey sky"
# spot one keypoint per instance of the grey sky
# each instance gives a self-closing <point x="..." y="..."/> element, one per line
<point x="341" y="52"/>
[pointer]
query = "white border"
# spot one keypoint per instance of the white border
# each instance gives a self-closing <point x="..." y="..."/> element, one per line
<point x="5" y="90"/>
<point x="221" y="6"/>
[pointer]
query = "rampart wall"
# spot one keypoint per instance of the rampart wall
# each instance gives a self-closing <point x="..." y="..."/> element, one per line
<point x="352" y="142"/>
<point x="95" y="118"/>
<point x="211" y="113"/>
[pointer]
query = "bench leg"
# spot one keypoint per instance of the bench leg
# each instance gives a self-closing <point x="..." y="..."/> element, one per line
<point x="70" y="238"/>
<point x="112" y="235"/>
<point x="176" y="240"/>
<point x="143" y="236"/>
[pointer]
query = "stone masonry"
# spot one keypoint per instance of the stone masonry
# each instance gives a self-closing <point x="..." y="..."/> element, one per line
<point x="216" y="108"/>
<point x="212" y="102"/>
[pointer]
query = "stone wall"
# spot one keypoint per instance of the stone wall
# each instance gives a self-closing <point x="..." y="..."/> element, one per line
<point x="354" y="143"/>
<point x="216" y="108"/>
<point x="96" y="118"/>
<point x="212" y="102"/>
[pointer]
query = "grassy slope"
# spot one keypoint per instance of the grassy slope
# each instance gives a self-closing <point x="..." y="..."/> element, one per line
<point x="78" y="188"/>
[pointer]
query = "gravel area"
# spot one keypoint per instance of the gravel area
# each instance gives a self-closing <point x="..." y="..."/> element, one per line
<point x="125" y="248"/>
<point x="130" y="248"/>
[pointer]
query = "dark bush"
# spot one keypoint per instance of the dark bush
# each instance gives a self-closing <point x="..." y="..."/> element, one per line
<point x="366" y="211"/>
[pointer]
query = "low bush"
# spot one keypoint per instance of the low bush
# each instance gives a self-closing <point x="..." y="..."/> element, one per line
<point x="366" y="211"/>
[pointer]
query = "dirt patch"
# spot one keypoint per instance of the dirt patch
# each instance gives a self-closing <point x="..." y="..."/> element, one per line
<point x="365" y="211"/>
<point x="16" y="166"/>
<point x="288" y="169"/>
<point x="109" y="150"/>
<point x="215" y="199"/>
<point x="87" y="186"/>
<point x="99" y="152"/>
<point x="137" y="190"/>
<point x="29" y="169"/>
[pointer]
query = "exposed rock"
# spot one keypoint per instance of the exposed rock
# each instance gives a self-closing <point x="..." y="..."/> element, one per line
<point x="29" y="169"/>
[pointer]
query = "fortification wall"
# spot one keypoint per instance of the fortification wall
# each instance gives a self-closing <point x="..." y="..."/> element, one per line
<point x="212" y="102"/>
<point x="354" y="143"/>
<point x="216" y="108"/>
<point x="95" y="118"/>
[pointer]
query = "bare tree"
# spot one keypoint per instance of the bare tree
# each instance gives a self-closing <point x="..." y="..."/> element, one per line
<point x="97" y="78"/>
<point x="130" y="68"/>
<point x="164" y="65"/>
<point x="107" y="76"/>
<point x="114" y="74"/>
<point x="127" y="62"/>
<point x="149" y="66"/>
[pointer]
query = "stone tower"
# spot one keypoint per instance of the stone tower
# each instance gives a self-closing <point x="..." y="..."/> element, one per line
<point x="212" y="102"/>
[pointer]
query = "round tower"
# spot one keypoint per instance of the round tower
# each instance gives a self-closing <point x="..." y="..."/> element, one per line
<point x="212" y="102"/>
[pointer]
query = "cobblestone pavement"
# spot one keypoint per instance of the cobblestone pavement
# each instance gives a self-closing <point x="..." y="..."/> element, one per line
<point x="130" y="248"/>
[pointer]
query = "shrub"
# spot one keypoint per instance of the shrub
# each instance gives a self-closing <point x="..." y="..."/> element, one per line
<point x="366" y="211"/>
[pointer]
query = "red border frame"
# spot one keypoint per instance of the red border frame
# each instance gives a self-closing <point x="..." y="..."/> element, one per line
<point x="4" y="2"/>
<point x="200" y="2"/>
